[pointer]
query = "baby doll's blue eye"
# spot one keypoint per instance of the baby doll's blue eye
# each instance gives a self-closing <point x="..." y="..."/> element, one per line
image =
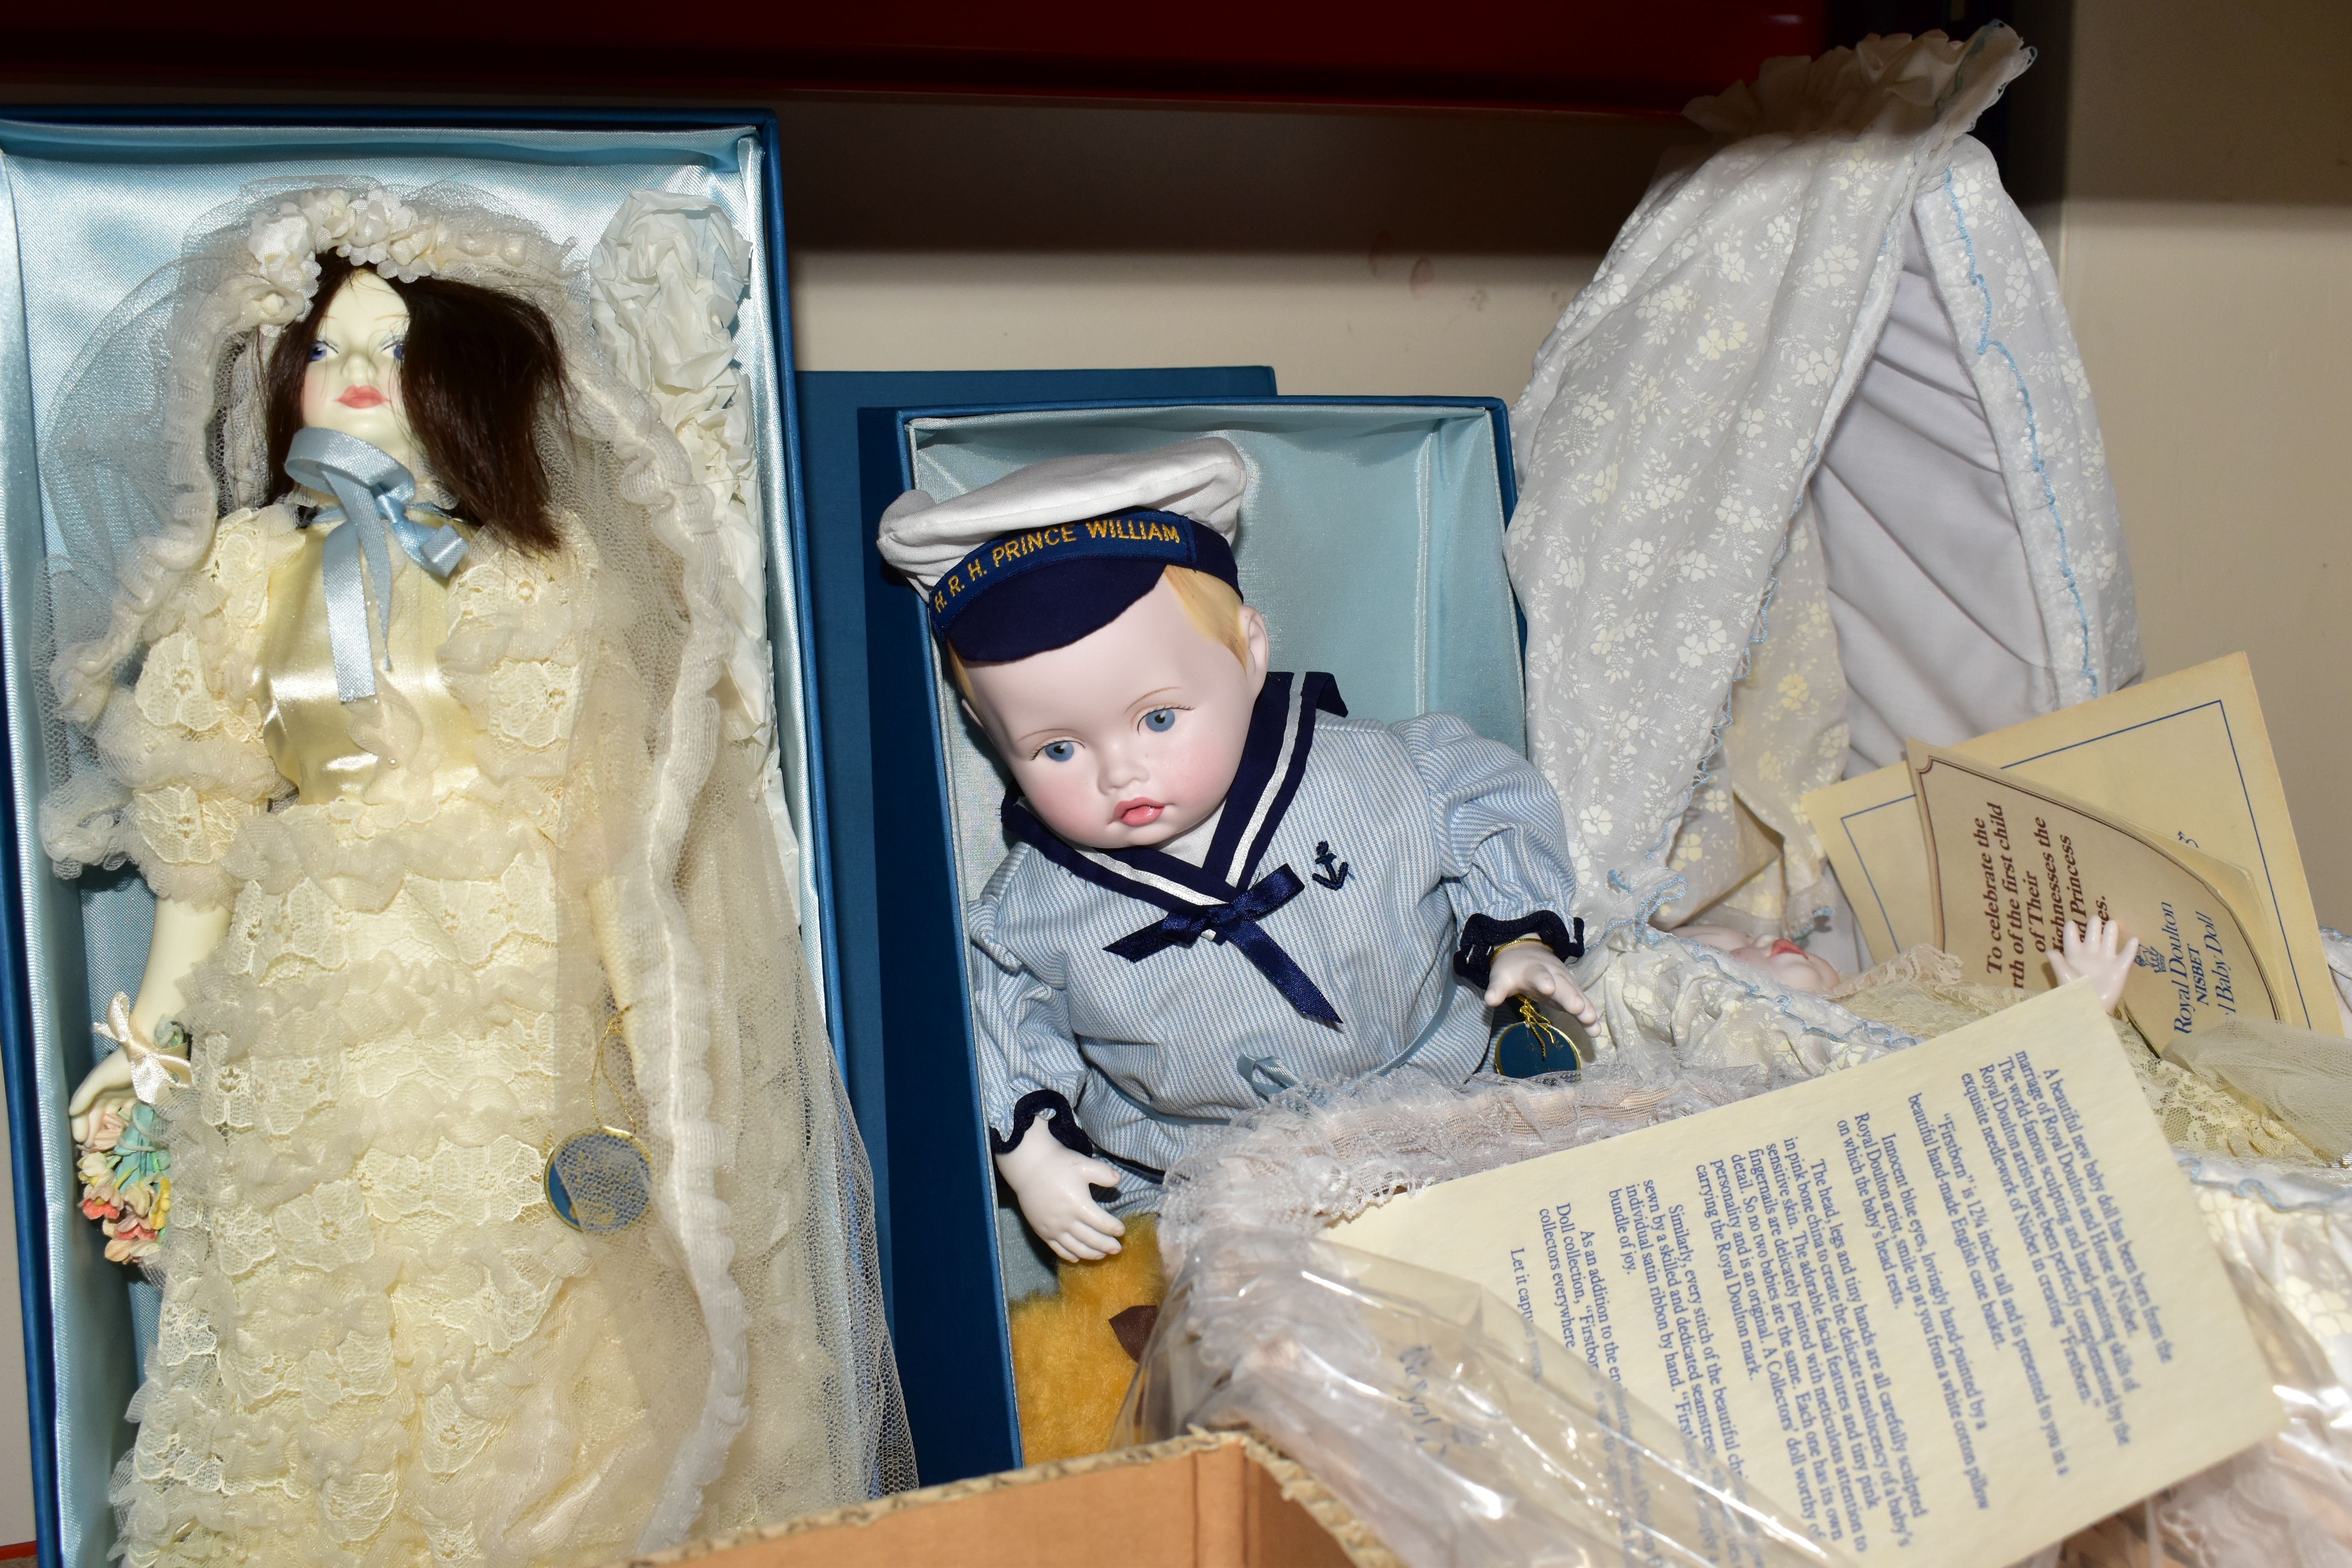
<point x="1058" y="750"/>
<point x="400" y="350"/>
<point x="1160" y="720"/>
<point x="318" y="352"/>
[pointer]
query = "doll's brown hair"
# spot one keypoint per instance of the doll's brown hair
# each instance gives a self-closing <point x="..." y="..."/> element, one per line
<point x="479" y="367"/>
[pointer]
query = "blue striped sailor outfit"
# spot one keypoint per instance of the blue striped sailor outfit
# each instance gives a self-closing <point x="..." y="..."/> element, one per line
<point x="1317" y="942"/>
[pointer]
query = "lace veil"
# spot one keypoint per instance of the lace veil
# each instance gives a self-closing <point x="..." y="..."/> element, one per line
<point x="752" y="1288"/>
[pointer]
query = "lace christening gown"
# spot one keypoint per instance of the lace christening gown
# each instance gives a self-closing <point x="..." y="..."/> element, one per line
<point x="378" y="1343"/>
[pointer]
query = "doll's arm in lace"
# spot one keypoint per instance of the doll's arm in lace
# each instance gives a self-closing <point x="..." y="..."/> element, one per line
<point x="626" y="960"/>
<point x="185" y="744"/>
<point x="185" y="935"/>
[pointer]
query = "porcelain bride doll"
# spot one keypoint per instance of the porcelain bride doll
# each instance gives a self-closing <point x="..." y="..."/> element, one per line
<point x="458" y="877"/>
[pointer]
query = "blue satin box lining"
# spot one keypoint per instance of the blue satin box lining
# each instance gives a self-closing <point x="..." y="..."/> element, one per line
<point x="1372" y="541"/>
<point x="92" y="204"/>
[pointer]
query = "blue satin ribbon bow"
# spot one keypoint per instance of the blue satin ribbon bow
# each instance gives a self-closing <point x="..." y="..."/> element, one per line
<point x="1237" y="924"/>
<point x="376" y="492"/>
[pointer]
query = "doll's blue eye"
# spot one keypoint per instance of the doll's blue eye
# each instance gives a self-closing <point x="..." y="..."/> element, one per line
<point x="1160" y="720"/>
<point x="400" y="350"/>
<point x="318" y="352"/>
<point x="1058" y="750"/>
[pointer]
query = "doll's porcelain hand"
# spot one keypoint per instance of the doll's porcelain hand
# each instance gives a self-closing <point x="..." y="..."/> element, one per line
<point x="138" y="1070"/>
<point x="1051" y="1183"/>
<point x="1531" y="969"/>
<point x="105" y="1087"/>
<point x="2098" y="953"/>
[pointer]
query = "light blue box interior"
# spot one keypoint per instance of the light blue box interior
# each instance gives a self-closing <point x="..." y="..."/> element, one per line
<point x="87" y="213"/>
<point x="1371" y="539"/>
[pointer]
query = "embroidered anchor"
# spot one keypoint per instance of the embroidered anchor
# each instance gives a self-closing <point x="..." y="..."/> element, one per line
<point x="1327" y="876"/>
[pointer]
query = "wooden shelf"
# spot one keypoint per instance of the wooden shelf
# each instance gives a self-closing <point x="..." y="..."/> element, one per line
<point x="1629" y="56"/>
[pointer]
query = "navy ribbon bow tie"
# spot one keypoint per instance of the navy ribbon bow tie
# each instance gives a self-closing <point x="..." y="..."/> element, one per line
<point x="1236" y="922"/>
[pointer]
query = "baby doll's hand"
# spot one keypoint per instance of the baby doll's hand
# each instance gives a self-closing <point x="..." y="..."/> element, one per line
<point x="1051" y="1183"/>
<point x="1531" y="969"/>
<point x="2098" y="953"/>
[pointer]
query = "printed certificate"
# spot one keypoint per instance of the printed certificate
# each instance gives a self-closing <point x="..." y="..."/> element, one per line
<point x="1945" y="1308"/>
<point x="2015" y="862"/>
<point x="2186" y="758"/>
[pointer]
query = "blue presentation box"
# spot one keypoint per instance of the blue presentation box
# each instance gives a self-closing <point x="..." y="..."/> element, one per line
<point x="91" y="203"/>
<point x="1372" y="540"/>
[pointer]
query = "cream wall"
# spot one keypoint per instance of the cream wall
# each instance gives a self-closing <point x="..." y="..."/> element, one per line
<point x="2193" y="168"/>
<point x="1413" y="252"/>
<point x="2205" y="244"/>
<point x="1328" y="323"/>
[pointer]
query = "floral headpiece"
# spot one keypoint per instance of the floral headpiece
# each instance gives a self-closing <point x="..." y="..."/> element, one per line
<point x="371" y="228"/>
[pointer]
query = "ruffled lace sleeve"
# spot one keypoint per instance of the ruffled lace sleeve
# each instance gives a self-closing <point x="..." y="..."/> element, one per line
<point x="185" y="741"/>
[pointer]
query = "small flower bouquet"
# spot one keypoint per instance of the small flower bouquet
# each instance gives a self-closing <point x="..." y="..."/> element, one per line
<point x="125" y="1171"/>
<point x="126" y="1181"/>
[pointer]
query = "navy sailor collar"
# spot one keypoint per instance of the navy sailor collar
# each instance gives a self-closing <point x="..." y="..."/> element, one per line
<point x="1274" y="760"/>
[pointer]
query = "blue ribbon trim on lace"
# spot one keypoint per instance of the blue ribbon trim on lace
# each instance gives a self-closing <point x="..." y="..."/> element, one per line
<point x="376" y="493"/>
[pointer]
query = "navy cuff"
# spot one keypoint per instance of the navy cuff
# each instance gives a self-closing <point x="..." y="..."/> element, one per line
<point x="1482" y="937"/>
<point x="1063" y="1126"/>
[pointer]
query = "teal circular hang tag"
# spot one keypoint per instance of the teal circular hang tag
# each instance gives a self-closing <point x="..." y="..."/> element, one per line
<point x="1531" y="1044"/>
<point x="600" y="1182"/>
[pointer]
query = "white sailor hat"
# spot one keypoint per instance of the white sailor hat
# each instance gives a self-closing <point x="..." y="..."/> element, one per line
<point x="1058" y="550"/>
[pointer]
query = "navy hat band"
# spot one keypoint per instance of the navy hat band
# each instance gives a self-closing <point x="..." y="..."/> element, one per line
<point x="1044" y="588"/>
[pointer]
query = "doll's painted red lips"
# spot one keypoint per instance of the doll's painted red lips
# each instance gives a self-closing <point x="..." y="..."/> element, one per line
<point x="363" y="397"/>
<point x="1140" y="812"/>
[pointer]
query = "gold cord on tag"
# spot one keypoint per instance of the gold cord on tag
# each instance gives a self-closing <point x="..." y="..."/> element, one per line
<point x="601" y="1180"/>
<point x="1547" y="1036"/>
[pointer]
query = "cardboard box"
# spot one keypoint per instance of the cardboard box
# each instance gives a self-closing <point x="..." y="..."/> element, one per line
<point x="1206" y="1501"/>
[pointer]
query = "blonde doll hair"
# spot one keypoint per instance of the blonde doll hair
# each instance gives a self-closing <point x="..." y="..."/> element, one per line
<point x="1210" y="604"/>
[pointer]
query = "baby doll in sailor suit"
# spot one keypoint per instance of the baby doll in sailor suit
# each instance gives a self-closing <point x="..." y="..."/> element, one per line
<point x="1220" y="884"/>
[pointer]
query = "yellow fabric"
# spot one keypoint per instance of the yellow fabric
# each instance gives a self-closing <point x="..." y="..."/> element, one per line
<point x="304" y="725"/>
<point x="1069" y="1368"/>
